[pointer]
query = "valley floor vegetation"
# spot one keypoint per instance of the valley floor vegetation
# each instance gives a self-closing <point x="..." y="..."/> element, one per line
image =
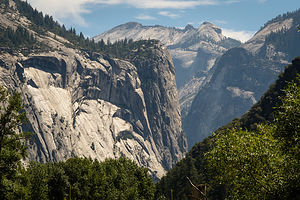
<point x="76" y="178"/>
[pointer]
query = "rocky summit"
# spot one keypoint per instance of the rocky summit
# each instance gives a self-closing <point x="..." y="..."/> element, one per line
<point x="86" y="104"/>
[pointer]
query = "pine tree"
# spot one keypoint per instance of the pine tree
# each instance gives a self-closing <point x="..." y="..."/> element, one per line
<point x="12" y="149"/>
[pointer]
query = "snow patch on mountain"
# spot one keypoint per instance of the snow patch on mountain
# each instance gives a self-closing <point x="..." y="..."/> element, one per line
<point x="237" y="92"/>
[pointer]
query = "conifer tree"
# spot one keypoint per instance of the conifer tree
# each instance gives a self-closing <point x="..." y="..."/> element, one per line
<point x="12" y="149"/>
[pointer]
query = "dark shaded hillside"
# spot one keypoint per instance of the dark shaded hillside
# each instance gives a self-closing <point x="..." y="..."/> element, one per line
<point x="195" y="167"/>
<point x="238" y="81"/>
<point x="262" y="111"/>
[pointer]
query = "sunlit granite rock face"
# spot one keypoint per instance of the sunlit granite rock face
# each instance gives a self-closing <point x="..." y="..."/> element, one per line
<point x="89" y="105"/>
<point x="93" y="106"/>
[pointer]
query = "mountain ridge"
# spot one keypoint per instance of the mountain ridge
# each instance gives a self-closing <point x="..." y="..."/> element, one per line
<point x="241" y="76"/>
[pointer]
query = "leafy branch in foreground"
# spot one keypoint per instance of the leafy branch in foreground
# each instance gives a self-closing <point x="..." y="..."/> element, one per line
<point x="249" y="163"/>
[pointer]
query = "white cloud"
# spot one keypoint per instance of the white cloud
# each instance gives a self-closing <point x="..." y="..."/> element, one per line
<point x="73" y="9"/>
<point x="243" y="36"/>
<point x="159" y="4"/>
<point x="145" y="17"/>
<point x="168" y="14"/>
<point x="63" y="8"/>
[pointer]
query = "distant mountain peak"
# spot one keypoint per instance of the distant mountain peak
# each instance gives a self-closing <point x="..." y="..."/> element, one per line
<point x="189" y="27"/>
<point x="130" y="25"/>
<point x="208" y="25"/>
<point x="210" y="31"/>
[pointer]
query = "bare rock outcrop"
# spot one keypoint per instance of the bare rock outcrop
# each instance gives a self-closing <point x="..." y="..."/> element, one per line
<point x="87" y="104"/>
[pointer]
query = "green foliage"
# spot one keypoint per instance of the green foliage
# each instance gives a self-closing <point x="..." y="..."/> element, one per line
<point x="74" y="179"/>
<point x="42" y="23"/>
<point x="263" y="164"/>
<point x="263" y="111"/>
<point x="173" y="184"/>
<point x="79" y="178"/>
<point x="193" y="166"/>
<point x="288" y="116"/>
<point x="12" y="149"/>
<point x="128" y="49"/>
<point x="287" y="120"/>
<point x="249" y="163"/>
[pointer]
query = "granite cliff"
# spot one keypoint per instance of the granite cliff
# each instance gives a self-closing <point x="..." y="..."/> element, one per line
<point x="82" y="103"/>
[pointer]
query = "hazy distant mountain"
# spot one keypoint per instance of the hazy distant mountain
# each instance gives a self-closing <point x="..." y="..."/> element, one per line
<point x="194" y="51"/>
<point x="242" y="75"/>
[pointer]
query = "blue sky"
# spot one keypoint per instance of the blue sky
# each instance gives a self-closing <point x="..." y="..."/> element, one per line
<point x="237" y="18"/>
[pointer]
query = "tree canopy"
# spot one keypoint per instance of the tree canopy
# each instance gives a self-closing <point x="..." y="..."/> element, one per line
<point x="82" y="178"/>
